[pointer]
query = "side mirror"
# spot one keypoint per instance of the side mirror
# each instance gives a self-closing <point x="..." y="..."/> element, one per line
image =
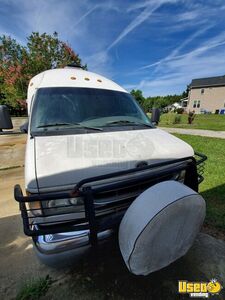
<point x="5" y="119"/>
<point x="24" y="127"/>
<point x="155" y="117"/>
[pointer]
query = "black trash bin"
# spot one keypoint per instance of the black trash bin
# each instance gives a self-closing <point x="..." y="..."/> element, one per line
<point x="155" y="115"/>
<point x="5" y="119"/>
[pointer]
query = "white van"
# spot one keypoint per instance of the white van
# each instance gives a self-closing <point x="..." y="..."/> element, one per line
<point x="91" y="150"/>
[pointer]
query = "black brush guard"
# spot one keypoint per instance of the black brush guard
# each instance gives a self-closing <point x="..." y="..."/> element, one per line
<point x="38" y="221"/>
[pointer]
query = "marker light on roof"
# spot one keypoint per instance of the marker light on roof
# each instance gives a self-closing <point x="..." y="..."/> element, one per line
<point x="73" y="78"/>
<point x="99" y="80"/>
<point x="86" y="78"/>
<point x="31" y="83"/>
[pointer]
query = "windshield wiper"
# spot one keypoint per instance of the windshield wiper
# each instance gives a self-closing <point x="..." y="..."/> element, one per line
<point x="129" y="122"/>
<point x="69" y="124"/>
<point x="52" y="125"/>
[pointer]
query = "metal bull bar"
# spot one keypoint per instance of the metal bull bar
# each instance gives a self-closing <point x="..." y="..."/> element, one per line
<point x="38" y="221"/>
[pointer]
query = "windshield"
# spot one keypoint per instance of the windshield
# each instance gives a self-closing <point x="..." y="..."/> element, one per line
<point x="89" y="108"/>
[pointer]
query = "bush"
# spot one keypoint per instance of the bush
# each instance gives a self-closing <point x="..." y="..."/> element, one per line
<point x="177" y="119"/>
<point x="180" y="111"/>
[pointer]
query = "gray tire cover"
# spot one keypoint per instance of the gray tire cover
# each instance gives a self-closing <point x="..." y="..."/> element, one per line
<point x="160" y="226"/>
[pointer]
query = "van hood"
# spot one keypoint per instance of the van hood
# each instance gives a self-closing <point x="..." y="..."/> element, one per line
<point x="62" y="161"/>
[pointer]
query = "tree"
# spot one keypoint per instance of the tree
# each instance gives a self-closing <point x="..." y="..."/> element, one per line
<point x="11" y="60"/>
<point x="156" y="101"/>
<point x="47" y="52"/>
<point x="18" y="64"/>
<point x="185" y="93"/>
<point x="161" y="101"/>
<point x="137" y="94"/>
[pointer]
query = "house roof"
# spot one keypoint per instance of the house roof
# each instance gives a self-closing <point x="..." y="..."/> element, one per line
<point x="208" y="82"/>
<point x="184" y="99"/>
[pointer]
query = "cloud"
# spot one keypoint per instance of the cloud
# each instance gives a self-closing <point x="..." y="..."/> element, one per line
<point x="138" y="5"/>
<point x="172" y="41"/>
<point x="149" y="8"/>
<point x="204" y="61"/>
<point x="72" y="20"/>
<point x="44" y="16"/>
<point x="87" y="13"/>
<point x="175" y="51"/>
<point x="100" y="63"/>
<point x="188" y="16"/>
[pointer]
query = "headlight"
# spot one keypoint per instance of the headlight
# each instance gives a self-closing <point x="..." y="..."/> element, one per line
<point x="65" y="202"/>
<point x="35" y="208"/>
<point x="57" y="206"/>
<point x="61" y="206"/>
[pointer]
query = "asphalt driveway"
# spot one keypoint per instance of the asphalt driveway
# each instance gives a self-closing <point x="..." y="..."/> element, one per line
<point x="17" y="260"/>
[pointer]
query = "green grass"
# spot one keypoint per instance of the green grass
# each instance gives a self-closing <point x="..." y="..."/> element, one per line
<point x="34" y="289"/>
<point x="208" y="122"/>
<point x="213" y="187"/>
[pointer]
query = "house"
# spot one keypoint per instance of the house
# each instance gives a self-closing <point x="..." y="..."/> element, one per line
<point x="175" y="106"/>
<point x="172" y="107"/>
<point x="184" y="103"/>
<point x="207" y="95"/>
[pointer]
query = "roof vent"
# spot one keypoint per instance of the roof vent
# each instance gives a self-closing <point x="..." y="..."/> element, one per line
<point x="72" y="66"/>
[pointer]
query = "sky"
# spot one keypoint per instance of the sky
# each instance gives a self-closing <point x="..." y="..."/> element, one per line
<point x="157" y="46"/>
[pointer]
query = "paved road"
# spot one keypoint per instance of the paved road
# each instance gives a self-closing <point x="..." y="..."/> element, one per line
<point x="199" y="132"/>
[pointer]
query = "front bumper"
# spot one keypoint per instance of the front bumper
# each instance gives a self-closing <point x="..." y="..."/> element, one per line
<point x="72" y="233"/>
<point x="57" y="243"/>
<point x="65" y="248"/>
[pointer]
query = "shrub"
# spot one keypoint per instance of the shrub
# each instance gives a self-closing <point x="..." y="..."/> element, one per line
<point x="177" y="119"/>
<point x="180" y="110"/>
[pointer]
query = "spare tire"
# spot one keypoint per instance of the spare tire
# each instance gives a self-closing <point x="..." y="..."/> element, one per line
<point x="160" y="226"/>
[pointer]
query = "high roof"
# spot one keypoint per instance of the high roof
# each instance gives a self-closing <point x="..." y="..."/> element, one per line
<point x="71" y="77"/>
<point x="208" y="82"/>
